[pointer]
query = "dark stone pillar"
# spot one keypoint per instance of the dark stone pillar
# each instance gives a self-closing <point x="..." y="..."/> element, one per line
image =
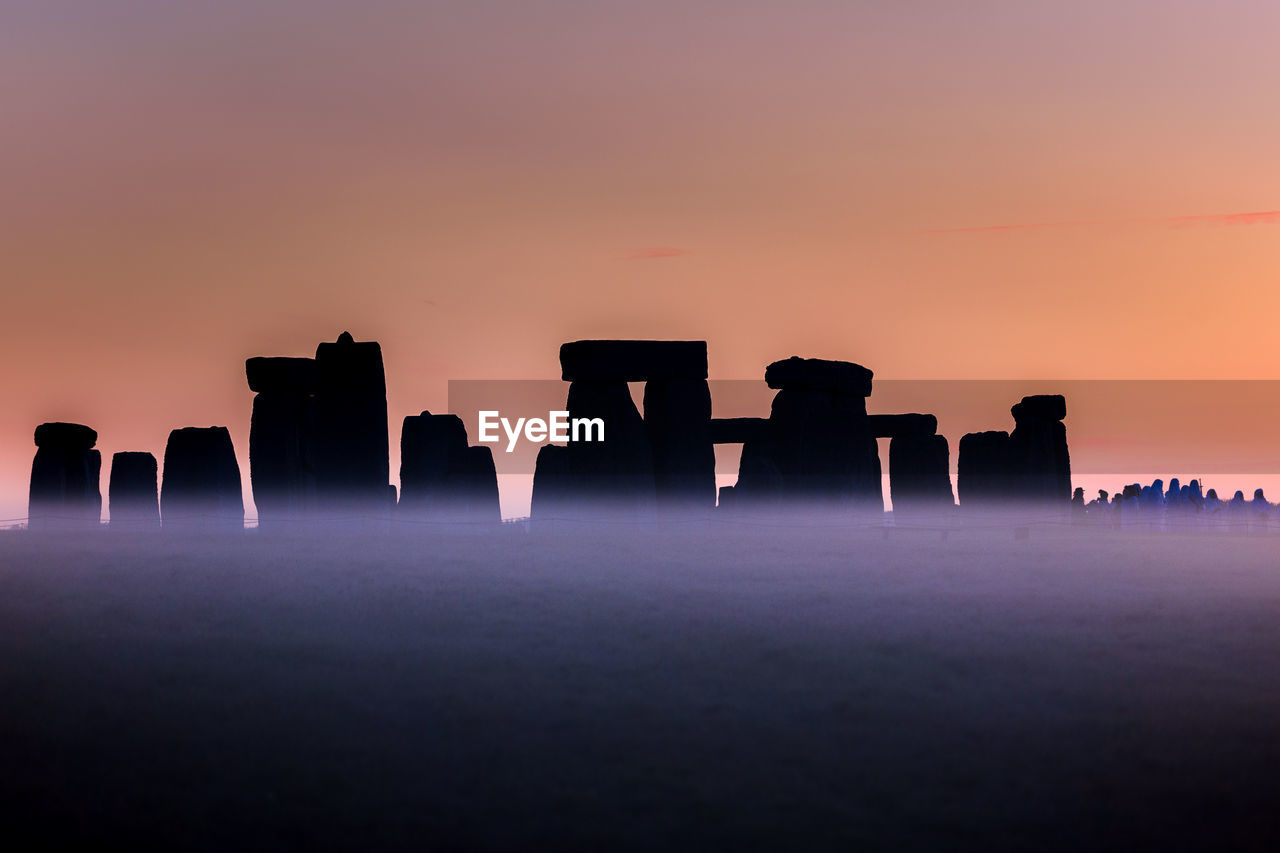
<point x="823" y="445"/>
<point x="677" y="419"/>
<point x="133" y="495"/>
<point x="982" y="476"/>
<point x="919" y="474"/>
<point x="1040" y="465"/>
<point x="441" y="477"/>
<point x="351" y="443"/>
<point x="65" y="474"/>
<point x="201" y="487"/>
<point x="281" y="437"/>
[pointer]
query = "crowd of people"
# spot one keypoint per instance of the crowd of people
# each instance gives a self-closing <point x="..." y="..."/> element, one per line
<point x="1181" y="505"/>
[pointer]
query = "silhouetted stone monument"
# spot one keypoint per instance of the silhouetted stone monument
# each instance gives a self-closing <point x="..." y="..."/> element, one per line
<point x="201" y="486"/>
<point x="65" y="474"/>
<point x="281" y="437"/>
<point x="663" y="460"/>
<point x="133" y="495"/>
<point x="982" y="475"/>
<point x="919" y="474"/>
<point x="351" y="451"/>
<point x="677" y="418"/>
<point x="1040" y="465"/>
<point x="632" y="361"/>
<point x="441" y="477"/>
<point x="817" y="374"/>
<point x="614" y="475"/>
<point x="820" y="448"/>
<point x="554" y="485"/>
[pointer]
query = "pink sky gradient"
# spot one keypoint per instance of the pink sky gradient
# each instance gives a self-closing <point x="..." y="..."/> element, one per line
<point x="186" y="185"/>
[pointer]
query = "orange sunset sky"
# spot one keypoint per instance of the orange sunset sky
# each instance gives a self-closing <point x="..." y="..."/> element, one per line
<point x="185" y="185"/>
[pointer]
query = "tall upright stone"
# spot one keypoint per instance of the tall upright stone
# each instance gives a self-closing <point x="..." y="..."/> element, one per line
<point x="65" y="476"/>
<point x="919" y="474"/>
<point x="352" y="465"/>
<point x="133" y="494"/>
<point x="614" y="475"/>
<point x="677" y="419"/>
<point x="983" y="468"/>
<point x="282" y="437"/>
<point x="820" y="442"/>
<point x="441" y="477"/>
<point x="201" y="487"/>
<point x="664" y="460"/>
<point x="1040" y="465"/>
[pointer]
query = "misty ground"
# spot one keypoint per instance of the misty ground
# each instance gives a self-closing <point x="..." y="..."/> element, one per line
<point x="628" y="687"/>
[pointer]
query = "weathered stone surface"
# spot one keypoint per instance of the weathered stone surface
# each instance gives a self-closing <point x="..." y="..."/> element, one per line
<point x="739" y="430"/>
<point x="441" y="477"/>
<point x="351" y="442"/>
<point x="281" y="462"/>
<point x="288" y="375"/>
<point x="1048" y="407"/>
<point x="201" y="484"/>
<point x="632" y="361"/>
<point x="677" y="419"/>
<point x="64" y="491"/>
<point x="919" y="474"/>
<point x="816" y="374"/>
<point x="893" y="426"/>
<point x="982" y="475"/>
<point x="133" y="493"/>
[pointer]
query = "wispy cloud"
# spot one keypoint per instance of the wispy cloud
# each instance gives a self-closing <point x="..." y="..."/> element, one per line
<point x="653" y="252"/>
<point x="1261" y="217"/>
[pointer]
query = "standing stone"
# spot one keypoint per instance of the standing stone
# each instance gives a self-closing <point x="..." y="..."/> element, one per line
<point x="201" y="486"/>
<point x="824" y="446"/>
<point x="441" y="477"/>
<point x="553" y="484"/>
<point x="982" y="476"/>
<point x="614" y="475"/>
<point x="65" y="474"/>
<point x="133" y="496"/>
<point x="281" y="437"/>
<point x="351" y="444"/>
<point x="759" y="487"/>
<point x="920" y="474"/>
<point x="1040" y="465"/>
<point x="677" y="419"/>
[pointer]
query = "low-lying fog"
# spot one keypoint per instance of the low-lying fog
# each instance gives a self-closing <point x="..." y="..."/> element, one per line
<point x="616" y="686"/>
